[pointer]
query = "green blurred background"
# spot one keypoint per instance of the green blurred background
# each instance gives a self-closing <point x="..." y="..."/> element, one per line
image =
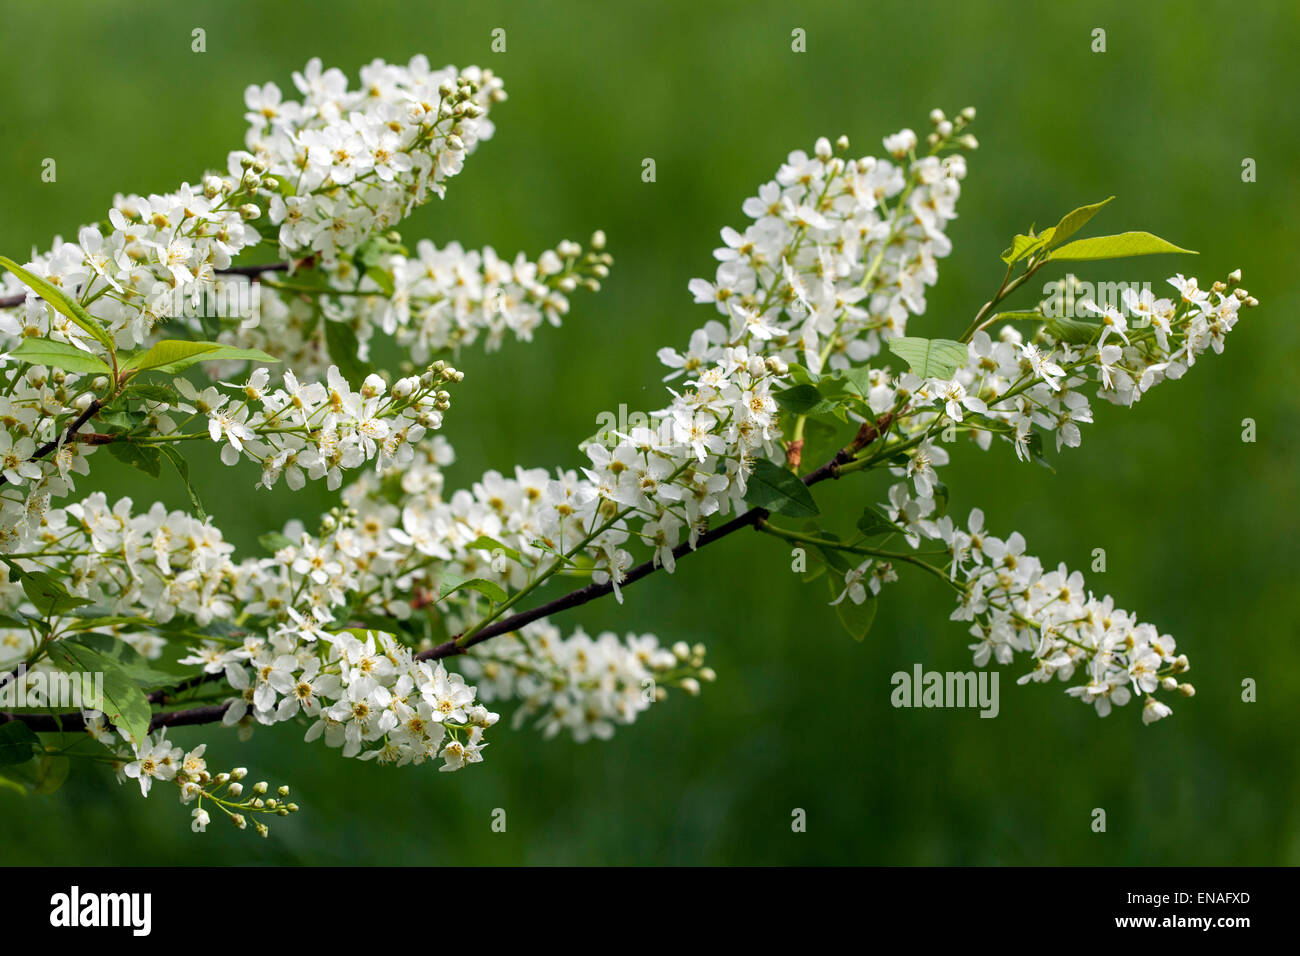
<point x="1199" y="527"/>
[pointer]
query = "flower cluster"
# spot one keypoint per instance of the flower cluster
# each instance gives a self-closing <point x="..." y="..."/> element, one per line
<point x="317" y="431"/>
<point x="341" y="164"/>
<point x="581" y="684"/>
<point x="363" y="692"/>
<point x="1018" y="389"/>
<point x="839" y="254"/>
<point x="1038" y="386"/>
<point x="433" y="303"/>
<point x="158" y="759"/>
<point x="1016" y="605"/>
<point x="129" y="277"/>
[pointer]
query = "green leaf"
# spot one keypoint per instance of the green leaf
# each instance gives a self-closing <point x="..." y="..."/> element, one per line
<point x="145" y="457"/>
<point x="41" y="776"/>
<point x="176" y="355"/>
<point x="381" y="278"/>
<point x="490" y="545"/>
<point x="183" y="469"/>
<point x="930" y="358"/>
<point x="1035" y="446"/>
<point x="36" y="351"/>
<point x="489" y="589"/>
<point x="801" y="375"/>
<point x="1073" y="331"/>
<point x="856" y="618"/>
<point x="799" y="400"/>
<point x="996" y="425"/>
<point x="812" y="574"/>
<point x="46" y="593"/>
<point x="94" y="618"/>
<point x="341" y="340"/>
<point x="874" y="522"/>
<point x="150" y="393"/>
<point x="780" y="491"/>
<point x="61" y="301"/>
<point x="168" y="352"/>
<point x="375" y="249"/>
<point x="1116" y="247"/>
<point x="17" y="742"/>
<point x="857" y="378"/>
<point x="940" y="499"/>
<point x="122" y="420"/>
<point x="131" y="661"/>
<point x="1022" y="246"/>
<point x="125" y="705"/>
<point x="1072" y="222"/>
<point x="832" y="557"/>
<point x="51" y="771"/>
<point x="273" y="541"/>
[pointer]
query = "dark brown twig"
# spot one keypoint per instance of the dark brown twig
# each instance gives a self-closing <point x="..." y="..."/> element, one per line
<point x="91" y="410"/>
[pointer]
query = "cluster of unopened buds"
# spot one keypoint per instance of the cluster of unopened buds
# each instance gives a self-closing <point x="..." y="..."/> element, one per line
<point x="160" y="760"/>
<point x="369" y="630"/>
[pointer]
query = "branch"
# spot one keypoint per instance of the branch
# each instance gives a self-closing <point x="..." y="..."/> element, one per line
<point x="91" y="410"/>
<point x="54" y="723"/>
<point x="869" y="432"/>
